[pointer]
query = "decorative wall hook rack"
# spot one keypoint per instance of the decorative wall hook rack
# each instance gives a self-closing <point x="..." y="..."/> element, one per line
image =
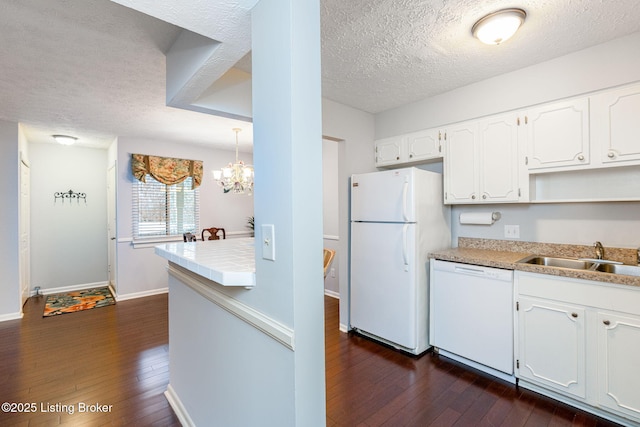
<point x="70" y="195"/>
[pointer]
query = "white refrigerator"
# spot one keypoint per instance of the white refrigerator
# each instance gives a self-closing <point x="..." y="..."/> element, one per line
<point x="397" y="218"/>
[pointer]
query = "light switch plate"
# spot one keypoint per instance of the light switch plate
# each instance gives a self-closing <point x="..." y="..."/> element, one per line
<point x="268" y="242"/>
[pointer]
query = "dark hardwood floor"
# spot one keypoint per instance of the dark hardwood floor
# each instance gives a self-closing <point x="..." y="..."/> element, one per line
<point x="118" y="356"/>
<point x="372" y="385"/>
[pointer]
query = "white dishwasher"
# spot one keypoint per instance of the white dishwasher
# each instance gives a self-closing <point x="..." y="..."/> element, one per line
<point x="472" y="315"/>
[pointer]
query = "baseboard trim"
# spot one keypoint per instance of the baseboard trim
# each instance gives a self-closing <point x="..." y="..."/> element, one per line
<point x="178" y="407"/>
<point x="10" y="316"/>
<point x="343" y="328"/>
<point x="332" y="294"/>
<point x="71" y="288"/>
<point x="134" y="295"/>
<point x="205" y="287"/>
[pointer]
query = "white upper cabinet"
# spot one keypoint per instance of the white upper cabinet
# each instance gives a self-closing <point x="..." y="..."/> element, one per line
<point x="424" y="145"/>
<point x="499" y="171"/>
<point x="461" y="183"/>
<point x="390" y="151"/>
<point x="557" y="135"/>
<point x="412" y="148"/>
<point x="615" y="125"/>
<point x="481" y="163"/>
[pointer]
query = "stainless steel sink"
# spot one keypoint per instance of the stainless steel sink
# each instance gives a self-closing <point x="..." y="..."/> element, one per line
<point x="573" y="263"/>
<point x="629" y="270"/>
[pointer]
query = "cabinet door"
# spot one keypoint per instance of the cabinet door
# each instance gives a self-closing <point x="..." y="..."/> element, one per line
<point x="558" y="135"/>
<point x="461" y="165"/>
<point x="424" y="145"/>
<point x="390" y="151"/>
<point x="498" y="143"/>
<point x="615" y="123"/>
<point x="618" y="362"/>
<point x="551" y="340"/>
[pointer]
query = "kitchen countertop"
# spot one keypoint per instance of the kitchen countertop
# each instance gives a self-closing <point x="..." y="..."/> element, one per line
<point x="495" y="253"/>
<point x="229" y="262"/>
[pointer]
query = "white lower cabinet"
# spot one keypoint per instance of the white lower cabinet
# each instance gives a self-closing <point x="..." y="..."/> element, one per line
<point x="552" y="345"/>
<point x="619" y="362"/>
<point x="579" y="342"/>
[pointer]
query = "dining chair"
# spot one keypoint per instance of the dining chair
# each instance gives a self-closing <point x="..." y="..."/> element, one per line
<point x="189" y="237"/>
<point x="328" y="255"/>
<point x="213" y="233"/>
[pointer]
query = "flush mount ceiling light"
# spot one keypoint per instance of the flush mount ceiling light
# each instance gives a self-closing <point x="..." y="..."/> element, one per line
<point x="498" y="27"/>
<point x="65" y="139"/>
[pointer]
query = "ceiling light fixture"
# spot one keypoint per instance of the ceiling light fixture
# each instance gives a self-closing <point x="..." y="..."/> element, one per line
<point x="498" y="27"/>
<point x="236" y="178"/>
<point x="65" y="139"/>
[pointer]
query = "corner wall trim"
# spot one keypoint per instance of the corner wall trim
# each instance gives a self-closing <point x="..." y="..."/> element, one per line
<point x="205" y="287"/>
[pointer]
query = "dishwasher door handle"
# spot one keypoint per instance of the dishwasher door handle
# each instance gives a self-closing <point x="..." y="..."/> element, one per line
<point x="470" y="271"/>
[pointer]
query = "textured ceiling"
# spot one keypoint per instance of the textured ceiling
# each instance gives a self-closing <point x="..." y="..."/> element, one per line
<point x="378" y="55"/>
<point x="96" y="69"/>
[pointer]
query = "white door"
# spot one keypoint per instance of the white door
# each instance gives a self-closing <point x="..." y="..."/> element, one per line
<point x="618" y="373"/>
<point x="390" y="151"/>
<point x="615" y="124"/>
<point x="25" y="227"/>
<point x="111" y="224"/>
<point x="552" y="340"/>
<point x="383" y="285"/>
<point x="385" y="196"/>
<point x="424" y="145"/>
<point x="461" y="165"/>
<point x="558" y="134"/>
<point x="498" y="137"/>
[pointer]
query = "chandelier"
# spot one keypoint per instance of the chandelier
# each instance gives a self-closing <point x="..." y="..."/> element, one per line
<point x="237" y="177"/>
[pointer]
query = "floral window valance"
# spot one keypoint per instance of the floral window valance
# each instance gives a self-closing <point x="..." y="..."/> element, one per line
<point x="166" y="170"/>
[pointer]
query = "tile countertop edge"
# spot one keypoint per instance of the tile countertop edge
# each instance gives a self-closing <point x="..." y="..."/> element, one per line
<point x="185" y="255"/>
<point x="508" y="260"/>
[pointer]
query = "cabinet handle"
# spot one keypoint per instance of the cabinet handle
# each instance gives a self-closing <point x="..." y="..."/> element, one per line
<point x="611" y="154"/>
<point x="581" y="157"/>
<point x="574" y="314"/>
<point x="484" y="196"/>
<point x="606" y="322"/>
<point x="398" y="158"/>
<point x="473" y="197"/>
<point x="411" y="156"/>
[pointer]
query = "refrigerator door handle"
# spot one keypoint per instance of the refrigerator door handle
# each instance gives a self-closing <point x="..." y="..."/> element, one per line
<point x="404" y="247"/>
<point x="405" y="190"/>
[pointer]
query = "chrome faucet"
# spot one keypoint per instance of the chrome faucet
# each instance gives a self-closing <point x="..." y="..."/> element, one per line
<point x="599" y="250"/>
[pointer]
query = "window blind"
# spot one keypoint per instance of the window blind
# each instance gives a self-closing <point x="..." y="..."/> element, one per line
<point x="164" y="210"/>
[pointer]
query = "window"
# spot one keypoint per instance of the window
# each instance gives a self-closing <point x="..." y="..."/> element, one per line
<point x="161" y="210"/>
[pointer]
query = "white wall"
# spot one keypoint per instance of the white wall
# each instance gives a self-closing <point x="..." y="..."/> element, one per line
<point x="355" y="129"/>
<point x="140" y="272"/>
<point x="610" y="64"/>
<point x="330" y="210"/>
<point x="68" y="238"/>
<point x="9" y="245"/>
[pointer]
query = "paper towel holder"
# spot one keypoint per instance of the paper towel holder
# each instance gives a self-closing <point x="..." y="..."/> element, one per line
<point x="487" y="218"/>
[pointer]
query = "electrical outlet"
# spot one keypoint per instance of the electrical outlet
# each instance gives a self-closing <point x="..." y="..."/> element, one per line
<point x="333" y="272"/>
<point x="512" y="231"/>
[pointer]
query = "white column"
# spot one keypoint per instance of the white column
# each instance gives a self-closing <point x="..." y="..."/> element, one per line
<point x="288" y="184"/>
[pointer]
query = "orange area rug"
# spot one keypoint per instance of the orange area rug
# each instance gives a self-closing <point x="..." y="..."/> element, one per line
<point x="71" y="302"/>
